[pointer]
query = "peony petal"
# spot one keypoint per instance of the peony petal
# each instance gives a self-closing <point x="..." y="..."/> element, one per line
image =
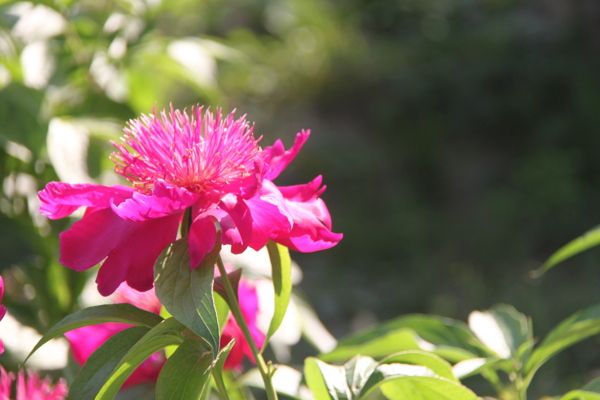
<point x="90" y="239"/>
<point x="307" y="243"/>
<point x="278" y="158"/>
<point x="132" y="259"/>
<point x="269" y="215"/>
<point x="165" y="200"/>
<point x="312" y="222"/>
<point x="307" y="195"/>
<point x="202" y="239"/>
<point x="84" y="341"/>
<point x="240" y="215"/>
<point x="59" y="199"/>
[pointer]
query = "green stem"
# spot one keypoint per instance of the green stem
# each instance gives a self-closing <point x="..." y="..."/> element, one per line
<point x="262" y="366"/>
<point x="221" y="387"/>
<point x="186" y="222"/>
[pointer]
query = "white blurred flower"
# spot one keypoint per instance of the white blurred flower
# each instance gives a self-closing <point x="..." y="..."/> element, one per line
<point x="37" y="64"/>
<point x="36" y="23"/>
<point x="199" y="62"/>
<point x="257" y="263"/>
<point x="67" y="145"/>
<point x="20" y="339"/>
<point x="20" y="184"/>
<point x="109" y="78"/>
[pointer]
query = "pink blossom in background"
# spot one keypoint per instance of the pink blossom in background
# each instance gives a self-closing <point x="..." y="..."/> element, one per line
<point x="248" y="300"/>
<point x="175" y="161"/>
<point x="84" y="341"/>
<point x="30" y="387"/>
<point x="2" y="311"/>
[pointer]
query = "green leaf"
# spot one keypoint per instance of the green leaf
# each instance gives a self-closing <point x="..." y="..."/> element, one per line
<point x="574" y="329"/>
<point x="480" y="365"/>
<point x="425" y="388"/>
<point x="187" y="293"/>
<point x="326" y="382"/>
<point x="281" y="265"/>
<point x="445" y="337"/>
<point x="222" y="310"/>
<point x="435" y="363"/>
<point x="98" y="367"/>
<point x="593" y="386"/>
<point x="588" y="240"/>
<point x="124" y="313"/>
<point x="376" y="347"/>
<point x="415" y="382"/>
<point x="358" y="370"/>
<point x="218" y="370"/>
<point x="504" y="330"/>
<point x="581" y="395"/>
<point x="186" y="372"/>
<point x="162" y="335"/>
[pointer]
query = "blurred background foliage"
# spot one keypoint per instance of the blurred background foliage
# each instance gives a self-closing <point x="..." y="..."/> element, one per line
<point x="459" y="140"/>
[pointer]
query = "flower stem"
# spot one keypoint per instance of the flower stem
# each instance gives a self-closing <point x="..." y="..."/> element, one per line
<point x="264" y="369"/>
<point x="221" y="387"/>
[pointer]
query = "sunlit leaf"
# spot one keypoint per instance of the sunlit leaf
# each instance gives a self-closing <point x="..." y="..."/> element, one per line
<point x="448" y="338"/>
<point x="415" y="382"/>
<point x="326" y="381"/>
<point x="503" y="330"/>
<point x="281" y="265"/>
<point x="358" y="371"/>
<point x="574" y="329"/>
<point x="588" y="240"/>
<point x="435" y="363"/>
<point x="425" y="388"/>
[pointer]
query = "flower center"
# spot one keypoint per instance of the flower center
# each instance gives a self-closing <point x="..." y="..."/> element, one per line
<point x="202" y="153"/>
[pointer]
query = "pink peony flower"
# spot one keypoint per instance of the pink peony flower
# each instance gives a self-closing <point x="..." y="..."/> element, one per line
<point x="31" y="387"/>
<point x="208" y="163"/>
<point x="84" y="341"/>
<point x="2" y="311"/>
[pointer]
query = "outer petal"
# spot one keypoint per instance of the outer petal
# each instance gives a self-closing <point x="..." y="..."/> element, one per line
<point x="91" y="239"/>
<point x="202" y="239"/>
<point x="239" y="214"/>
<point x="130" y="248"/>
<point x="269" y="215"/>
<point x="133" y="259"/>
<point x="278" y="158"/>
<point x="84" y="341"/>
<point x="59" y="199"/>
<point x="164" y="200"/>
<point x="308" y="196"/>
<point x="312" y="221"/>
